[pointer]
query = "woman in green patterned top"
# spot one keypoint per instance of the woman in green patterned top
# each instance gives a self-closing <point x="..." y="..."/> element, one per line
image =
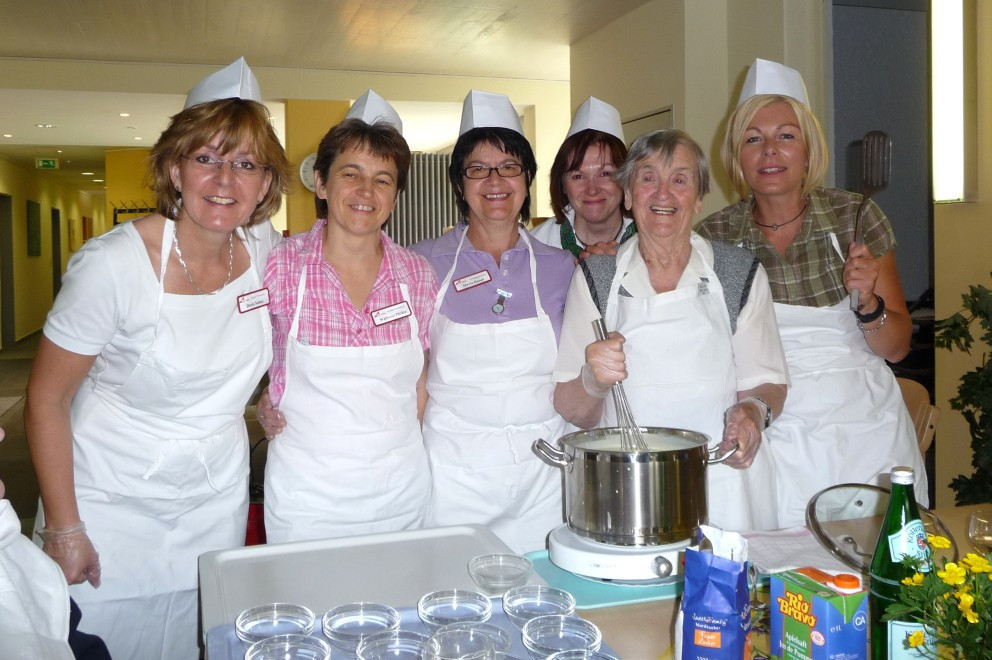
<point x="844" y="419"/>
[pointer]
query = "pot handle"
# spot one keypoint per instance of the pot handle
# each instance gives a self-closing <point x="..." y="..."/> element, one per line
<point x="711" y="456"/>
<point x="549" y="453"/>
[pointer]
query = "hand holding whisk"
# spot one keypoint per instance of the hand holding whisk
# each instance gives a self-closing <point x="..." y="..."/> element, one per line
<point x="630" y="433"/>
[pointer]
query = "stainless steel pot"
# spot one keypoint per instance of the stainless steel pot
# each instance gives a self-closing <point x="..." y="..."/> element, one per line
<point x="652" y="497"/>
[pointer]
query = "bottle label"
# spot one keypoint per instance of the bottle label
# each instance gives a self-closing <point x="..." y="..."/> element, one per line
<point x="911" y="541"/>
<point x="899" y="648"/>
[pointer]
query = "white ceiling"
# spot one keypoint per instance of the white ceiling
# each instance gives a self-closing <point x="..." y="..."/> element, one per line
<point x="526" y="39"/>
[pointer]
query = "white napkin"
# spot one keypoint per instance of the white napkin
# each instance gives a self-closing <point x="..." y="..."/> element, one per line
<point x="785" y="549"/>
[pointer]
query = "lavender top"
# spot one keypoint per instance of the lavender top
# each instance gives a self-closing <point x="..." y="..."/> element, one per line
<point x="474" y="305"/>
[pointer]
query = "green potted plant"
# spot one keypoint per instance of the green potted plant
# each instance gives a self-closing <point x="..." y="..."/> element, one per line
<point x="974" y="394"/>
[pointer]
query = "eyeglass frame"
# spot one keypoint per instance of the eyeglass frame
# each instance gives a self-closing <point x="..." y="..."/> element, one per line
<point x="490" y="170"/>
<point x="218" y="164"/>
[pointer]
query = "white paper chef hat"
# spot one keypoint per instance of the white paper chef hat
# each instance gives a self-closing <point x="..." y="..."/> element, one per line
<point x="767" y="77"/>
<point x="233" y="81"/>
<point x="597" y="115"/>
<point x="371" y="108"/>
<point x="488" y="110"/>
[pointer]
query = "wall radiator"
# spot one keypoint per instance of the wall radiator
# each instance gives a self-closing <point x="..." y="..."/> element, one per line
<point x="427" y="207"/>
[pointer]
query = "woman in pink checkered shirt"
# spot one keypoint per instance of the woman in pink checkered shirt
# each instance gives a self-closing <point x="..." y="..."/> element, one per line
<point x="350" y="313"/>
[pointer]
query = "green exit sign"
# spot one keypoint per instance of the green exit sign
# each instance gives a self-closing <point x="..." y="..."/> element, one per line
<point x="46" y="163"/>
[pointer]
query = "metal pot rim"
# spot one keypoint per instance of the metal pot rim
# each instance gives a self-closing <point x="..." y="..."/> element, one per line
<point x="659" y="439"/>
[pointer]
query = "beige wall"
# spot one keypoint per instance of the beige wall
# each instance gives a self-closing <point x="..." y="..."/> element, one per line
<point x="692" y="56"/>
<point x="33" y="275"/>
<point x="962" y="234"/>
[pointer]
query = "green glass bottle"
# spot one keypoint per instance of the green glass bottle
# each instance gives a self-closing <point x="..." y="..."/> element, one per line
<point x="902" y="535"/>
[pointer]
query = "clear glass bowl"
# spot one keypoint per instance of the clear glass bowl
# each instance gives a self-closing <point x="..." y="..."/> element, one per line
<point x="498" y="572"/>
<point x="532" y="600"/>
<point x="582" y="654"/>
<point x="459" y="644"/>
<point x="551" y="633"/>
<point x="439" y="608"/>
<point x="501" y="639"/>
<point x="347" y="625"/>
<point x="262" y="621"/>
<point x="289" y="647"/>
<point x="392" y="645"/>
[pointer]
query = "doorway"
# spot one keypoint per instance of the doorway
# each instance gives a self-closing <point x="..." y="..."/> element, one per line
<point x="56" y="252"/>
<point x="6" y="272"/>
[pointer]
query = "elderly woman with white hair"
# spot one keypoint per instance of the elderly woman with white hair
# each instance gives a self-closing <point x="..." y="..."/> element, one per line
<point x="694" y="337"/>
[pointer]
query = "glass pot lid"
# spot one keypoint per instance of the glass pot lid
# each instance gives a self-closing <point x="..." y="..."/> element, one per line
<point x="847" y="518"/>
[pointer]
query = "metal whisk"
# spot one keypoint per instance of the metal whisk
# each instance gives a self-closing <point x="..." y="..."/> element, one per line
<point x="630" y="433"/>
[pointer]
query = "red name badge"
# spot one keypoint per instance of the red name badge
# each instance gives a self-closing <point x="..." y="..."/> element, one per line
<point x="253" y="300"/>
<point x="469" y="281"/>
<point x="400" y="310"/>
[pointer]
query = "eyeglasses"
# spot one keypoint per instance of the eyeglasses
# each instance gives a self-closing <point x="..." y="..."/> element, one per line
<point x="239" y="166"/>
<point x="506" y="170"/>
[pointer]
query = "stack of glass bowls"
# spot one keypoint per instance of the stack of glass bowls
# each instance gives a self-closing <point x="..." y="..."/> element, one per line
<point x="347" y="625"/>
<point x="263" y="621"/>
<point x="439" y="608"/>
<point x="551" y="633"/>
<point x="289" y="647"/>
<point x="522" y="604"/>
<point x="392" y="645"/>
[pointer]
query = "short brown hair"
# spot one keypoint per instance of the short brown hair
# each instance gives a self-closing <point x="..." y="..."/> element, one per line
<point x="569" y="159"/>
<point x="240" y="122"/>
<point x="381" y="139"/>
<point x="817" y="153"/>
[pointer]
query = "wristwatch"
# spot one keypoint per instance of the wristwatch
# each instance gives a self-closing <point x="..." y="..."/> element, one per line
<point x="768" y="409"/>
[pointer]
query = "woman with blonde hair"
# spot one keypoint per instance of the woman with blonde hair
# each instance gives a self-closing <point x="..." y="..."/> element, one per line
<point x="135" y="407"/>
<point x="844" y="420"/>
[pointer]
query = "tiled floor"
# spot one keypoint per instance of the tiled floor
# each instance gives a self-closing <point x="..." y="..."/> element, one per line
<point x="15" y="464"/>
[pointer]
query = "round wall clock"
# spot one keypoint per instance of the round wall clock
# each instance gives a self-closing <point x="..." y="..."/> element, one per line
<point x="306" y="172"/>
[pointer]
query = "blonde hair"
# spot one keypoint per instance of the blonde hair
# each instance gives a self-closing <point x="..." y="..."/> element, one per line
<point x="240" y="122"/>
<point x="817" y="154"/>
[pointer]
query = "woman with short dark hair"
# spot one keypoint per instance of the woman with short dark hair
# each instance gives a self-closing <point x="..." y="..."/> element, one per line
<point x="351" y="314"/>
<point x="493" y="340"/>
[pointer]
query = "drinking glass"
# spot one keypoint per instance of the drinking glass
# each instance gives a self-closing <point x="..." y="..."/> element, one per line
<point x="980" y="530"/>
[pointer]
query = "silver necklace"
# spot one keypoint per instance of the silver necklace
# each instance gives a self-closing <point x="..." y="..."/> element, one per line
<point x="189" y="275"/>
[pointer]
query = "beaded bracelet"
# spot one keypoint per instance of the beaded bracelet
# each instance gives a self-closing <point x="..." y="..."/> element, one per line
<point x="868" y="331"/>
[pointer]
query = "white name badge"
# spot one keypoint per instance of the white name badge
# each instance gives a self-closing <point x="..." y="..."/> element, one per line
<point x="253" y="300"/>
<point x="400" y="310"/>
<point x="469" y="281"/>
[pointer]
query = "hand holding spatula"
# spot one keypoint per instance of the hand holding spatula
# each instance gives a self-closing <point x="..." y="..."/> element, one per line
<point x="876" y="166"/>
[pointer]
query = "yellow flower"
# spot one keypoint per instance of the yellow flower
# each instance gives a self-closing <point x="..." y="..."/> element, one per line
<point x="914" y="581"/>
<point x="976" y="563"/>
<point x="952" y="574"/>
<point x="938" y="541"/>
<point x="916" y="639"/>
<point x="965" y="600"/>
<point x="972" y="616"/>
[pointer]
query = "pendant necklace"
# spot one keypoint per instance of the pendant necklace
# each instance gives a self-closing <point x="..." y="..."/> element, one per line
<point x="776" y="225"/>
<point x="189" y="275"/>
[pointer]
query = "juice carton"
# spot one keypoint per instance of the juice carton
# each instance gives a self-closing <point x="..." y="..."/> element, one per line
<point x="818" y="616"/>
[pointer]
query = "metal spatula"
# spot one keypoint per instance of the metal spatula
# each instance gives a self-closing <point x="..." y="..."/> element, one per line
<point x="876" y="165"/>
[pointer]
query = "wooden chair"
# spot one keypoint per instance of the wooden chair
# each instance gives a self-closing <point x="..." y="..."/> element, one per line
<point x="923" y="413"/>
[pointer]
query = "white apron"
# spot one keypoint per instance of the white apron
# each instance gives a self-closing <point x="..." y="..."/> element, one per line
<point x="34" y="598"/>
<point x="490" y="398"/>
<point x="681" y="374"/>
<point x="845" y="420"/>
<point x="152" y="503"/>
<point x="351" y="458"/>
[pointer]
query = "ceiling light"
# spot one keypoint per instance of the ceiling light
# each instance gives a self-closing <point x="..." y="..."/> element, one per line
<point x="46" y="126"/>
<point x="87" y="173"/>
<point x="58" y="151"/>
<point x="97" y="180"/>
<point x="137" y="138"/>
<point x="8" y="135"/>
<point x="125" y="114"/>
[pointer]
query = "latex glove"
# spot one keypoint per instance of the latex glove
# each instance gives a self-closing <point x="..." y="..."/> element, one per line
<point x="861" y="271"/>
<point x="270" y="418"/>
<point x="742" y="427"/>
<point x="603" y="247"/>
<point x="605" y="365"/>
<point x="74" y="553"/>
